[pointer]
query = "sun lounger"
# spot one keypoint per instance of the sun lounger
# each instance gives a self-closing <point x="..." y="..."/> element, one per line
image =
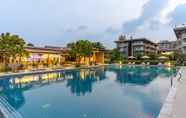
<point x="143" y="63"/>
<point x="160" y="64"/>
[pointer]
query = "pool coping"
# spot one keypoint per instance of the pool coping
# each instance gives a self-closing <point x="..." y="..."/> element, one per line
<point x="167" y="108"/>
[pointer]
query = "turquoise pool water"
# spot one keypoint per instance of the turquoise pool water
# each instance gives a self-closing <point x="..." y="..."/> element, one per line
<point x="104" y="92"/>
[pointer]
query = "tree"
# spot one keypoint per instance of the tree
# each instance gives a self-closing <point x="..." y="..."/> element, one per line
<point x="179" y="57"/>
<point x="115" y="55"/>
<point x="81" y="48"/>
<point x="11" y="46"/>
<point x="30" y="44"/>
<point x="98" y="45"/>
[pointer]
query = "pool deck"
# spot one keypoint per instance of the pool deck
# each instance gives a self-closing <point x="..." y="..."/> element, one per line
<point x="179" y="105"/>
<point x="175" y="103"/>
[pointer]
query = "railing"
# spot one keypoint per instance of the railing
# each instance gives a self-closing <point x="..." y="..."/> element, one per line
<point x="7" y="110"/>
<point x="176" y="79"/>
<point x="180" y="76"/>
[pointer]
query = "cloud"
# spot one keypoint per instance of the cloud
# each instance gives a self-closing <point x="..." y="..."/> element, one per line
<point x="76" y="30"/>
<point x="178" y="16"/>
<point x="170" y="7"/>
<point x="149" y="16"/>
<point x="58" y="22"/>
<point x="157" y="20"/>
<point x="82" y="27"/>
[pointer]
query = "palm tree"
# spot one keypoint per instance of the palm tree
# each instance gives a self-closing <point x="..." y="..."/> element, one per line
<point x="98" y="45"/>
<point x="11" y="46"/>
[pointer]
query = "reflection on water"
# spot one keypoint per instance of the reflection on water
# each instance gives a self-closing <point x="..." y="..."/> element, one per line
<point x="83" y="82"/>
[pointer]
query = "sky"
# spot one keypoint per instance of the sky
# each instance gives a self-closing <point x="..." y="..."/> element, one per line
<point x="58" y="22"/>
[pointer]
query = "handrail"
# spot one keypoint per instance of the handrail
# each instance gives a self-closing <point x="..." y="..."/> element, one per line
<point x="174" y="76"/>
<point x="179" y="76"/>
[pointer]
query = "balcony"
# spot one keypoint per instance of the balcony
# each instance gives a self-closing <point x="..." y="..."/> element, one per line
<point x="183" y="35"/>
<point x="137" y="43"/>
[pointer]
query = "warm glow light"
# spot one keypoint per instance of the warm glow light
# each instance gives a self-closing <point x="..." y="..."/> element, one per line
<point x="168" y="64"/>
<point x="120" y="62"/>
<point x="82" y="75"/>
<point x="28" y="79"/>
<point x="167" y="53"/>
<point x="168" y="68"/>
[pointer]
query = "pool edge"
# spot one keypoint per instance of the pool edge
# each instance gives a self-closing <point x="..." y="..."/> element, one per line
<point x="167" y="108"/>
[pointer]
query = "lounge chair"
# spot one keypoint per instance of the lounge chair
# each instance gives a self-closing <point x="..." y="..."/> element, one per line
<point x="160" y="64"/>
<point x="129" y="63"/>
<point x="148" y="63"/>
<point x="143" y="63"/>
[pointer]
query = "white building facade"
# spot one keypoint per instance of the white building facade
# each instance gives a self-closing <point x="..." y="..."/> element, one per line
<point x="181" y="38"/>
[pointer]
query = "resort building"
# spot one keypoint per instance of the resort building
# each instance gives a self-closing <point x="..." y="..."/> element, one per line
<point x="55" y="56"/>
<point x="181" y="38"/>
<point x="166" y="47"/>
<point x="50" y="57"/>
<point x="97" y="57"/>
<point x="135" y="47"/>
<point x="45" y="56"/>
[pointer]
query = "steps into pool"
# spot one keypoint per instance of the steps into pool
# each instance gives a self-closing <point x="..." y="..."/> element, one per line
<point x="7" y="110"/>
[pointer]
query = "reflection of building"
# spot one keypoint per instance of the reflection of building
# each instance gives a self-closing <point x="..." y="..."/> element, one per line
<point x="83" y="80"/>
<point x="134" y="47"/>
<point x="166" y="47"/>
<point x="13" y="88"/>
<point x="139" y="75"/>
<point x="181" y="38"/>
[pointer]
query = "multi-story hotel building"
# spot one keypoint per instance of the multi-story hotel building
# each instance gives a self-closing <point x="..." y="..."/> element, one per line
<point x="135" y="47"/>
<point x="166" y="47"/>
<point x="181" y="38"/>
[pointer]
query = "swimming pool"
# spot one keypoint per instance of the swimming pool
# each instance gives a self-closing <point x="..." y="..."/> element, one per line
<point x="104" y="92"/>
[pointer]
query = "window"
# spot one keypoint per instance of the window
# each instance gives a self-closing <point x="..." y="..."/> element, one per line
<point x="184" y="40"/>
<point x="139" y="48"/>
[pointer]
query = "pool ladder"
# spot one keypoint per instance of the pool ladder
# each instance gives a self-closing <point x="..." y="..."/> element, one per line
<point x="180" y="76"/>
<point x="7" y="110"/>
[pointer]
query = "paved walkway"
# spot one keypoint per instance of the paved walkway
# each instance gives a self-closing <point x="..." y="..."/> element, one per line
<point x="179" y="104"/>
<point x="175" y="103"/>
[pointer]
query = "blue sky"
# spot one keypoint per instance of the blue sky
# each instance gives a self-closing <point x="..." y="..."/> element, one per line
<point x="57" y="22"/>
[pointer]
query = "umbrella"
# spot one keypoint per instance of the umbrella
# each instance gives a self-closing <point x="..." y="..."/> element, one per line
<point x="145" y="57"/>
<point x="163" y="57"/>
<point x="34" y="57"/>
<point x="131" y="57"/>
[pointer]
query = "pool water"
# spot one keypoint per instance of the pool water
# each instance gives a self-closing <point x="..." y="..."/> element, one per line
<point x="104" y="92"/>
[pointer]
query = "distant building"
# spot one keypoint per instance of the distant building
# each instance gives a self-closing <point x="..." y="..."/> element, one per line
<point x="181" y="38"/>
<point x="135" y="47"/>
<point x="166" y="47"/>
